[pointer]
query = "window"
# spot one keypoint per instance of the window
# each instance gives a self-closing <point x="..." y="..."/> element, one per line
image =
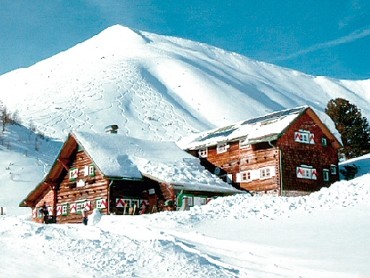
<point x="304" y="136"/>
<point x="203" y="152"/>
<point x="101" y="203"/>
<point x="257" y="174"/>
<point x="73" y="174"/>
<point x="188" y="200"/>
<point x="244" y="144"/>
<point x="306" y="172"/>
<point x="333" y="169"/>
<point x="246" y="176"/>
<point x="80" y="206"/>
<point x="326" y="174"/>
<point x="65" y="209"/>
<point x="89" y="170"/>
<point x="222" y="147"/>
<point x="265" y="173"/>
<point x="324" y="141"/>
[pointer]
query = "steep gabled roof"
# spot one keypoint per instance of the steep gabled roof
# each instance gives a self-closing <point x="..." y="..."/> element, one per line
<point x="126" y="157"/>
<point x="261" y="129"/>
<point x="122" y="157"/>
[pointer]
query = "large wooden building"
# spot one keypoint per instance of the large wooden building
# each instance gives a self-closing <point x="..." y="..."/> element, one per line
<point x="115" y="173"/>
<point x="289" y="152"/>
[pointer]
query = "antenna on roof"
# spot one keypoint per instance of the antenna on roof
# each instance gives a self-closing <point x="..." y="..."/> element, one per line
<point x="111" y="129"/>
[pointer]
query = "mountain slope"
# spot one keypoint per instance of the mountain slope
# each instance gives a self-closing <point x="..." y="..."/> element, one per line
<point x="158" y="87"/>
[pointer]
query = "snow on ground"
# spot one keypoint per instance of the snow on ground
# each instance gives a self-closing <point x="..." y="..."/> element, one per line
<point x="25" y="157"/>
<point x="324" y="234"/>
<point x="162" y="88"/>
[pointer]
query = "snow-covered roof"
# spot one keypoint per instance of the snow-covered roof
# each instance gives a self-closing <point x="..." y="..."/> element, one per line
<point x="126" y="157"/>
<point x="260" y="129"/>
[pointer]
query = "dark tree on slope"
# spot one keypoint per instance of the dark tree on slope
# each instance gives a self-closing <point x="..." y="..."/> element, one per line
<point x="353" y="128"/>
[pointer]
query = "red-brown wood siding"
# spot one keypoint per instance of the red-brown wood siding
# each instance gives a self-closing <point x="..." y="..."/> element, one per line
<point x="295" y="154"/>
<point x="96" y="187"/>
<point x="285" y="155"/>
<point x="237" y="159"/>
<point x="266" y="156"/>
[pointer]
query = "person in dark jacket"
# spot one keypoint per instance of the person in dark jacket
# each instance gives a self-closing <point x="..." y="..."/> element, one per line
<point x="45" y="212"/>
<point x="84" y="217"/>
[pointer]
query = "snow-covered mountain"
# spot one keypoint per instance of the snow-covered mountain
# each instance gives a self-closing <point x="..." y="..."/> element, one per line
<point x="159" y="87"/>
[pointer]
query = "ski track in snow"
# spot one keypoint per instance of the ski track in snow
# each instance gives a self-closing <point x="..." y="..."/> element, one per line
<point x="121" y="93"/>
<point x="76" y="246"/>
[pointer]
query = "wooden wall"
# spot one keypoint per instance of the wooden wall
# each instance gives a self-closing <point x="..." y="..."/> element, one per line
<point x="95" y="187"/>
<point x="259" y="156"/>
<point x="295" y="154"/>
<point x="236" y="160"/>
<point x="285" y="155"/>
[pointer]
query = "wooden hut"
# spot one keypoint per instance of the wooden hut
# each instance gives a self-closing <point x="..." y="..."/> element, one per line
<point x="116" y="173"/>
<point x="290" y="152"/>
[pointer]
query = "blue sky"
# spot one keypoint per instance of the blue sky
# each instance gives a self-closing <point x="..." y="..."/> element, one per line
<point x="317" y="37"/>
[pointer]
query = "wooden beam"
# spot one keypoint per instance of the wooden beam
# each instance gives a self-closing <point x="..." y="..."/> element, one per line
<point x="64" y="162"/>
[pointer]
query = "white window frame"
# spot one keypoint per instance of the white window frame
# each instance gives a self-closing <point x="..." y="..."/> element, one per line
<point x="304" y="136"/>
<point x="265" y="173"/>
<point x="99" y="203"/>
<point x="246" y="176"/>
<point x="308" y="172"/>
<point x="65" y="209"/>
<point x="222" y="147"/>
<point x="89" y="170"/>
<point x="203" y="152"/>
<point x="80" y="206"/>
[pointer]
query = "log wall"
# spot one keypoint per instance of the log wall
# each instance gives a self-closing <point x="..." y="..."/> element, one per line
<point x="96" y="187"/>
<point x="285" y="156"/>
<point x="236" y="160"/>
<point x="317" y="156"/>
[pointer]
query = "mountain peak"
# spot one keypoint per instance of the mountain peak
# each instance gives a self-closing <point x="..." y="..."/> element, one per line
<point x="161" y="90"/>
<point x="118" y="34"/>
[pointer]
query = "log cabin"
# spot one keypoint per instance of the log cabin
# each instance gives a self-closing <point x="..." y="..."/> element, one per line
<point x="286" y="153"/>
<point x="116" y="173"/>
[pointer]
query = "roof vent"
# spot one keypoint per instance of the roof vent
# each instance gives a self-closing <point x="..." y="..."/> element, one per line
<point x="111" y="129"/>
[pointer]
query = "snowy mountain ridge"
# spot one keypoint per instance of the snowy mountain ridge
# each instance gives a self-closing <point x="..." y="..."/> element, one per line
<point x="162" y="88"/>
<point x="169" y="87"/>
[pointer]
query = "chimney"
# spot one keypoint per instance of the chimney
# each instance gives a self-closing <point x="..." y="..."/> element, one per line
<point x="111" y="129"/>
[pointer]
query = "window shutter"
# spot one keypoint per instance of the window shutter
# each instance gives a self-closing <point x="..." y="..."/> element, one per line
<point x="255" y="174"/>
<point x="272" y="171"/>
<point x="238" y="177"/>
<point x="86" y="171"/>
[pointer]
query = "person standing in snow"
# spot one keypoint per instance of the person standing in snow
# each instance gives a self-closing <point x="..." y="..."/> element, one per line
<point x="144" y="206"/>
<point x="144" y="203"/>
<point x="84" y="216"/>
<point x="45" y="212"/>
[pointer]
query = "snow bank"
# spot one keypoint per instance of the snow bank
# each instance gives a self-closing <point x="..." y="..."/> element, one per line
<point x="243" y="206"/>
